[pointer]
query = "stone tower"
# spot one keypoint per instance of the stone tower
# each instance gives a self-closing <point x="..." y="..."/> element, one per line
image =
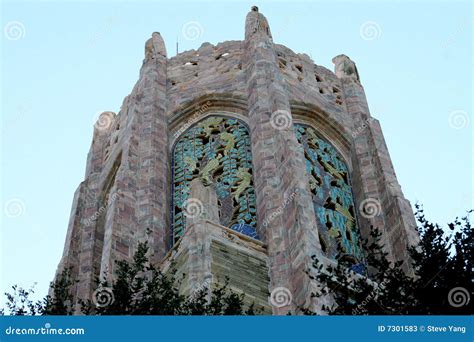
<point x="240" y="160"/>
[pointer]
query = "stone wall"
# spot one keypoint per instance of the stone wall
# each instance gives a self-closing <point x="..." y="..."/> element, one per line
<point x="208" y="253"/>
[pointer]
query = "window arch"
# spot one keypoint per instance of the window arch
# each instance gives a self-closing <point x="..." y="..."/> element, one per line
<point x="217" y="150"/>
<point x="332" y="198"/>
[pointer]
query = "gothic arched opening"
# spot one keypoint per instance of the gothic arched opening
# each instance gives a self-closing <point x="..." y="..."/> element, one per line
<point x="332" y="198"/>
<point x="217" y="150"/>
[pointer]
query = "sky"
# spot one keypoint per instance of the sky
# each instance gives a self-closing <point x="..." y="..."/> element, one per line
<point x="63" y="63"/>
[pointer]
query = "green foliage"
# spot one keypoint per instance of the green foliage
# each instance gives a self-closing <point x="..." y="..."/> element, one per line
<point x="20" y="304"/>
<point x="441" y="262"/>
<point x="139" y="288"/>
<point x="60" y="303"/>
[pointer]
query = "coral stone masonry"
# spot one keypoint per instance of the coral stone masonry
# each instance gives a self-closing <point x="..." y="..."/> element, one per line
<point x="242" y="160"/>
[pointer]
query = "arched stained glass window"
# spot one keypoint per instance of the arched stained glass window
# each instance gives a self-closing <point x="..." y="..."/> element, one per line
<point x="332" y="198"/>
<point x="217" y="150"/>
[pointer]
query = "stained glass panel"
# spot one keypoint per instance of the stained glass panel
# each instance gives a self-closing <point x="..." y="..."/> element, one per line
<point x="332" y="198"/>
<point x="216" y="150"/>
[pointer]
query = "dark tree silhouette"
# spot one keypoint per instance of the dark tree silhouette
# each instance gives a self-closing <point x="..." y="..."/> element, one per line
<point x="442" y="283"/>
<point x="139" y="289"/>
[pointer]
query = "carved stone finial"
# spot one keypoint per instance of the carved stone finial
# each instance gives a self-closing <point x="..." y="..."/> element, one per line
<point x="155" y="46"/>
<point x="344" y="67"/>
<point x="256" y="23"/>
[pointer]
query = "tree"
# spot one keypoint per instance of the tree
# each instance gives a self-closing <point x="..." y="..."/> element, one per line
<point x="19" y="302"/>
<point x="60" y="303"/>
<point x="139" y="289"/>
<point x="142" y="289"/>
<point x="442" y="283"/>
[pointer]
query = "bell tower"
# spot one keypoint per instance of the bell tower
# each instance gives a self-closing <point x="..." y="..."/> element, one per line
<point x="243" y="160"/>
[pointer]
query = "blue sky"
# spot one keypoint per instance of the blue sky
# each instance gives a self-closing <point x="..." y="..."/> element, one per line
<point x="65" y="62"/>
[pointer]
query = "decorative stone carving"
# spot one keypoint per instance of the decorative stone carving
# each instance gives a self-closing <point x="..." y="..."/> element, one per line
<point x="206" y="199"/>
<point x="258" y="23"/>
<point x="154" y="46"/>
<point x="344" y="67"/>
